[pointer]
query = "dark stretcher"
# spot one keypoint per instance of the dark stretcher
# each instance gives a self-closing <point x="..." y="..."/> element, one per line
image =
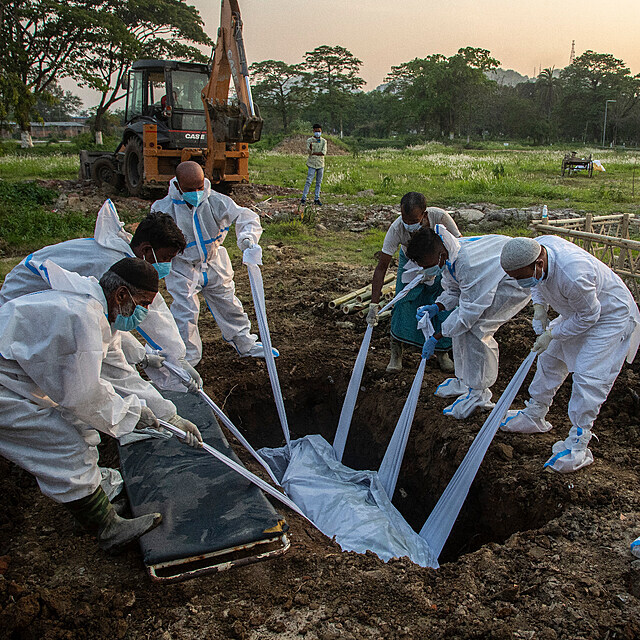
<point x="212" y="518"/>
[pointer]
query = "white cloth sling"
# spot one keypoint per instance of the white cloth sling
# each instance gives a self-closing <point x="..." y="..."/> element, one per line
<point x="438" y="526"/>
<point x="348" y="407"/>
<point x="252" y="257"/>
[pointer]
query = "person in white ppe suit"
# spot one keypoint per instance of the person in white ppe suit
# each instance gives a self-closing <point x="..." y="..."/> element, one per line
<point x="205" y="217"/>
<point x="156" y="240"/>
<point x="597" y="329"/>
<point x="485" y="298"/>
<point x="53" y="400"/>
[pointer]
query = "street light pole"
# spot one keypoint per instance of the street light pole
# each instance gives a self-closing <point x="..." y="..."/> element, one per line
<point x="604" y="128"/>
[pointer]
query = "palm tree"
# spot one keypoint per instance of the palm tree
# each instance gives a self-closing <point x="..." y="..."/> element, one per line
<point x="547" y="86"/>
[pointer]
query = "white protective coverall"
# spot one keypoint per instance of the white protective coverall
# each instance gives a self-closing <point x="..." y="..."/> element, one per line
<point x="486" y="298"/>
<point x="597" y="329"/>
<point x="54" y="396"/>
<point x="205" y="266"/>
<point x="92" y="257"/>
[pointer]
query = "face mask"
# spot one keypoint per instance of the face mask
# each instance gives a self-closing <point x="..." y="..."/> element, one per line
<point x="130" y="322"/>
<point x="432" y="272"/>
<point x="194" y="198"/>
<point x="163" y="268"/>
<point x="531" y="281"/>
<point x="317" y="134"/>
<point x="411" y="228"/>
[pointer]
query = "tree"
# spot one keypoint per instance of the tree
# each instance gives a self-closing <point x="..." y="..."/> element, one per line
<point x="57" y="105"/>
<point x="332" y="72"/>
<point x="547" y="86"/>
<point x="443" y="91"/>
<point x="39" y="42"/>
<point x="279" y="86"/>
<point x="133" y="29"/>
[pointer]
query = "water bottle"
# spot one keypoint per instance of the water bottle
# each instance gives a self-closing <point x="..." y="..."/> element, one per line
<point x="545" y="214"/>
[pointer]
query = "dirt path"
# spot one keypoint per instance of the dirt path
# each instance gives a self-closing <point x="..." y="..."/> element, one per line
<point x="534" y="555"/>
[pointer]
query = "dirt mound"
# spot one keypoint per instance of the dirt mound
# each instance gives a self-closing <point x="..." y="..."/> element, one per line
<point x="298" y="144"/>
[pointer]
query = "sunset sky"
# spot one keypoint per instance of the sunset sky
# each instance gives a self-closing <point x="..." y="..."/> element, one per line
<point x="522" y="35"/>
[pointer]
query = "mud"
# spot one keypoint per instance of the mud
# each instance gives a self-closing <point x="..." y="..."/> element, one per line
<point x="534" y="555"/>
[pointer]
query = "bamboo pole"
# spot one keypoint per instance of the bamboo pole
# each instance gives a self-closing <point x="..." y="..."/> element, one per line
<point x="353" y="294"/>
<point x="583" y="235"/>
<point x="351" y="308"/>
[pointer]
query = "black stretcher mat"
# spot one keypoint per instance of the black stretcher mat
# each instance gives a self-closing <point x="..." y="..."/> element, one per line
<point x="212" y="517"/>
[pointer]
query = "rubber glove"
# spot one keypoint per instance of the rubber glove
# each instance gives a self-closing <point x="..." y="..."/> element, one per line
<point x="543" y="341"/>
<point x="147" y="419"/>
<point x="372" y="316"/>
<point x="429" y="347"/>
<point x="246" y="243"/>
<point x="432" y="309"/>
<point x="540" y="320"/>
<point x="152" y="360"/>
<point x="196" y="381"/>
<point x="193" y="437"/>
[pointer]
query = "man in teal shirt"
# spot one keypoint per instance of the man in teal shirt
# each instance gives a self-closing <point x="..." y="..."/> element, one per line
<point x="317" y="146"/>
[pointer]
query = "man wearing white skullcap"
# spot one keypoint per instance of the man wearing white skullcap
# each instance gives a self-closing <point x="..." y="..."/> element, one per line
<point x="597" y="328"/>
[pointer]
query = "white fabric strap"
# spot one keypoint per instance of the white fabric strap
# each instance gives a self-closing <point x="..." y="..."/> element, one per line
<point x="438" y="526"/>
<point x="252" y="258"/>
<point x="245" y="473"/>
<point x="185" y="377"/>
<point x="346" y="415"/>
<point x="414" y="283"/>
<point x="392" y="461"/>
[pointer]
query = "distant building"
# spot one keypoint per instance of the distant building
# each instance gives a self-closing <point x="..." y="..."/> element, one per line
<point x="43" y="130"/>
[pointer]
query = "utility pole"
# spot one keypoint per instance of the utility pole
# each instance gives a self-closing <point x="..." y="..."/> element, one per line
<point x="604" y="128"/>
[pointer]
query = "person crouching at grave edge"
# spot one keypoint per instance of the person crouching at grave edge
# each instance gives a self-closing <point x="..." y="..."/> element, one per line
<point x="598" y="327"/>
<point x="414" y="215"/>
<point x="482" y="298"/>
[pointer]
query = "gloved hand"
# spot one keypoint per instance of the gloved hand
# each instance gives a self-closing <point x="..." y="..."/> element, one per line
<point x="246" y="243"/>
<point x="432" y="309"/>
<point x="543" y="341"/>
<point x="540" y="320"/>
<point x="147" y="419"/>
<point x="429" y="347"/>
<point x="193" y="437"/>
<point x="196" y="381"/>
<point x="372" y="316"/>
<point x="155" y="361"/>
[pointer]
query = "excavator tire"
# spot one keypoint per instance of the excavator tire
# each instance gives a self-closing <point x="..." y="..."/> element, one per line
<point x="103" y="172"/>
<point x="134" y="167"/>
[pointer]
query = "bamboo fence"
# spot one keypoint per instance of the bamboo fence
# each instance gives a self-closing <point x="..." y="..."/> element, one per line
<point x="608" y="238"/>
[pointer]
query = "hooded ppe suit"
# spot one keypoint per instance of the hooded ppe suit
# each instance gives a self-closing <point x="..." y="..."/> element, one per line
<point x="597" y="328"/>
<point x="205" y="266"/>
<point x="92" y="257"/>
<point x="53" y="397"/>
<point x="485" y="298"/>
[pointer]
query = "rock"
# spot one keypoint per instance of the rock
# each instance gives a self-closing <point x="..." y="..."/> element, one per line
<point x="367" y="193"/>
<point x="505" y="451"/>
<point x="345" y="325"/>
<point x="470" y="215"/>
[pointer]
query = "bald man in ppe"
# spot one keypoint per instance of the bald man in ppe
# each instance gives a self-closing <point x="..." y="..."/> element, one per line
<point x="205" y="217"/>
<point x="598" y="327"/>
<point x="53" y="400"/>
<point x="483" y="297"/>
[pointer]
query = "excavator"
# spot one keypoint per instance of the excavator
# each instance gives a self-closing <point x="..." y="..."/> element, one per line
<point x="177" y="111"/>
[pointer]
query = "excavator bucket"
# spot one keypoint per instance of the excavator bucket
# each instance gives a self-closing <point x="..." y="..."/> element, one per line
<point x="233" y="123"/>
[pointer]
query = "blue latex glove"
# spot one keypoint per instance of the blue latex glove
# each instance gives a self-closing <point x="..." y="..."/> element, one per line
<point x="432" y="309"/>
<point x="429" y="347"/>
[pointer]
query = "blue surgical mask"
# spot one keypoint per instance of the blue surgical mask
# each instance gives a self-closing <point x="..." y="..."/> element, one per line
<point x="432" y="272"/>
<point x="129" y="323"/>
<point x="317" y="134"/>
<point x="412" y="228"/>
<point x="163" y="268"/>
<point x="531" y="281"/>
<point x="194" y="198"/>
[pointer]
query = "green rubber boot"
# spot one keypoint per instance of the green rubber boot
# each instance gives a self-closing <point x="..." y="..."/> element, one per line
<point x="395" y="364"/>
<point x="96" y="514"/>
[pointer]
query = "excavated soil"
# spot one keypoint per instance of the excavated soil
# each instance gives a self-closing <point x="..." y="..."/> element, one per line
<point x="534" y="554"/>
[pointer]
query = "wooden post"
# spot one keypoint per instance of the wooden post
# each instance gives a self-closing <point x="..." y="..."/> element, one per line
<point x="624" y="233"/>
<point x="588" y="227"/>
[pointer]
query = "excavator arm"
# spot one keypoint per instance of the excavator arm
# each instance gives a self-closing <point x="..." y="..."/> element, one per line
<point x="229" y="124"/>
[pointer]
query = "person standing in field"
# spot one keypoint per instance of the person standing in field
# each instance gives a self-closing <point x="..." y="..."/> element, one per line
<point x="317" y="146"/>
<point x="414" y="215"/>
